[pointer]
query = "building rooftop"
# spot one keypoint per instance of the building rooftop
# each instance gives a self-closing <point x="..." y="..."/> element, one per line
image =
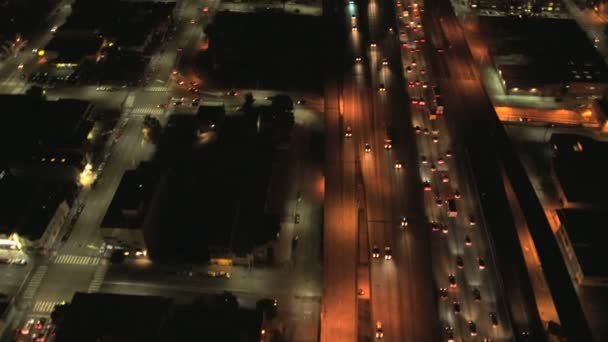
<point x="35" y="130"/>
<point x="111" y="317"/>
<point x="126" y="23"/>
<point x="543" y="50"/>
<point x="587" y="232"/>
<point x="71" y="48"/>
<point x="132" y="198"/>
<point x="580" y="167"/>
<point x="26" y="208"/>
<point x="125" y="318"/>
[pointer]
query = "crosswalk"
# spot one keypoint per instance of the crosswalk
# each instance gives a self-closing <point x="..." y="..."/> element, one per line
<point x="158" y="89"/>
<point x="44" y="306"/>
<point x="34" y="282"/>
<point x="147" y="110"/>
<point x="69" y="259"/>
<point x="98" y="277"/>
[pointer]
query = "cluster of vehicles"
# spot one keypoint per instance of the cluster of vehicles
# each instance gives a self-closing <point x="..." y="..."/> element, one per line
<point x="437" y="184"/>
<point x="36" y="330"/>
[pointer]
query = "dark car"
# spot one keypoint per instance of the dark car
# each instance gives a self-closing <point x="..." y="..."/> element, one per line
<point x="459" y="262"/>
<point x="456" y="306"/>
<point x="476" y="295"/>
<point x="494" y="319"/>
<point x="443" y="293"/>
<point x="375" y="252"/>
<point x="452" y="280"/>
<point x="472" y="328"/>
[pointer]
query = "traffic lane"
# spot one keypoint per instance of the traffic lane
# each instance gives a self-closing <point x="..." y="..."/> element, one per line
<point x="12" y="277"/>
<point x="458" y="107"/>
<point x="422" y="300"/>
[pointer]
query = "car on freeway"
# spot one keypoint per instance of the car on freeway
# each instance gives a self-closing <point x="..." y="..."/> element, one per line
<point x="368" y="147"/>
<point x="375" y="252"/>
<point x="232" y="93"/>
<point x="425" y="85"/>
<point x="440" y="161"/>
<point x="414" y="101"/>
<point x="472" y="328"/>
<point x="349" y="132"/>
<point x="381" y="87"/>
<point x="398" y="164"/>
<point x="372" y="44"/>
<point x="444" y="177"/>
<point x="468" y="241"/>
<point x="459" y="262"/>
<point x="423" y="160"/>
<point x="481" y="263"/>
<point x="403" y="222"/>
<point x="417" y="129"/>
<point x="456" y="307"/>
<point x="435" y="139"/>
<point x="384" y="61"/>
<point x="421" y="101"/>
<point x="443" y="293"/>
<point x="413" y="64"/>
<point x="435" y="226"/>
<point x="427" y="186"/>
<point x="448" y="153"/>
<point x="379" y="332"/>
<point x="439" y="202"/>
<point x="426" y="131"/>
<point x="471" y="220"/>
<point x="476" y="295"/>
<point x="457" y="194"/>
<point x="417" y="82"/>
<point x="411" y="84"/>
<point x="433" y="168"/>
<point x="357" y="59"/>
<point x="449" y="334"/>
<point x="388" y="254"/>
<point x="297" y="218"/>
<point x="27" y="327"/>
<point x="444" y="229"/>
<point x="494" y="319"/>
<point x="388" y="143"/>
<point x="423" y="71"/>
<point x="452" y="280"/>
<point x="408" y="69"/>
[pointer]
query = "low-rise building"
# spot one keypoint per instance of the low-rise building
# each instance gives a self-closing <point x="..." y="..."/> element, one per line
<point x="42" y="139"/>
<point x="582" y="236"/>
<point x="578" y="170"/>
<point x="132" y="212"/>
<point x="544" y="57"/>
<point x="91" y="317"/>
<point x="32" y="214"/>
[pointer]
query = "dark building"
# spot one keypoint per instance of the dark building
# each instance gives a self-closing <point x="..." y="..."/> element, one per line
<point x="130" y="219"/>
<point x="578" y="169"/>
<point x="126" y="318"/>
<point x="582" y="236"/>
<point x="45" y="139"/>
<point x="34" y="211"/>
<point x="545" y="57"/>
